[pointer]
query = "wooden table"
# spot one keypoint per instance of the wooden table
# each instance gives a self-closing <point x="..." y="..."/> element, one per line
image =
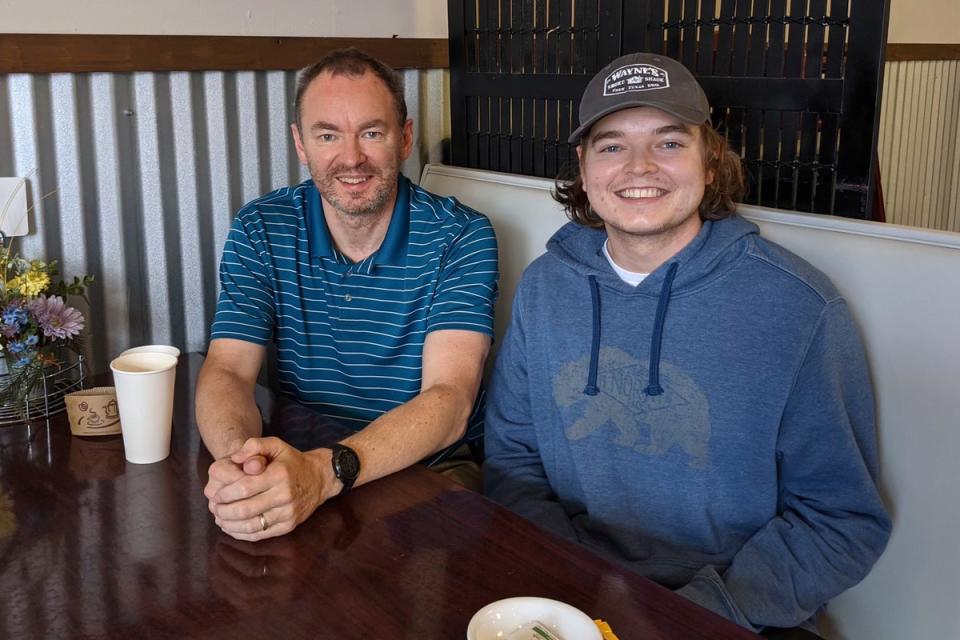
<point x="94" y="547"/>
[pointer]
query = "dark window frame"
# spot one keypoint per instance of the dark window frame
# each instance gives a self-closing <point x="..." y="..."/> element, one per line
<point x="804" y="118"/>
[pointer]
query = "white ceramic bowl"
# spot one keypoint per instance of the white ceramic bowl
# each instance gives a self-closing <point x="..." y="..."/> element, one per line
<point x="154" y="348"/>
<point x="497" y="619"/>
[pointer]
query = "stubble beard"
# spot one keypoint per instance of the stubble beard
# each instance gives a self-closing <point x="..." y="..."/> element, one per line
<point x="665" y="229"/>
<point x="651" y="239"/>
<point x="363" y="205"/>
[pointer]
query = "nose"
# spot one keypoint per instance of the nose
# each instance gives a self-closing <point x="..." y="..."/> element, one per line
<point x="352" y="152"/>
<point x="641" y="162"/>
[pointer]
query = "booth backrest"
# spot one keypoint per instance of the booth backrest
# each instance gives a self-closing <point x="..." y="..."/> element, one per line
<point x="903" y="286"/>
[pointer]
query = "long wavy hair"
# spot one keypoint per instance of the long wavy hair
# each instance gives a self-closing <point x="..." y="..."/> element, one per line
<point x="719" y="197"/>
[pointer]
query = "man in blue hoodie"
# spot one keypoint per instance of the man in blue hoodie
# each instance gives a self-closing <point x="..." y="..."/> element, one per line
<point x="674" y="391"/>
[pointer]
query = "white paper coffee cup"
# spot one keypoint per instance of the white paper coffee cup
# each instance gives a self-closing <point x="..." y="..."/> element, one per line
<point x="154" y="348"/>
<point x="145" y="383"/>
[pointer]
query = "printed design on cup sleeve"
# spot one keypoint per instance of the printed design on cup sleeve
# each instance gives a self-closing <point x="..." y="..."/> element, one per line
<point x="92" y="418"/>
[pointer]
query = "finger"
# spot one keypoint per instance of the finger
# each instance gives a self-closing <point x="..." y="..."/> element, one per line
<point x="245" y="488"/>
<point x="211" y="488"/>
<point x="272" y="522"/>
<point x="224" y="469"/>
<point x="241" y="515"/>
<point x="272" y="532"/>
<point x="251" y="522"/>
<point x="254" y="465"/>
<point x="269" y="448"/>
<point x="221" y="473"/>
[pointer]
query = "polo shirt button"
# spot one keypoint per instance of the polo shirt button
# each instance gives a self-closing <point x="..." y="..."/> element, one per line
<point x="347" y="298"/>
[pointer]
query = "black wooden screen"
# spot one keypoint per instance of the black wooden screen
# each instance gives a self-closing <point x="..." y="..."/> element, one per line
<point x="794" y="84"/>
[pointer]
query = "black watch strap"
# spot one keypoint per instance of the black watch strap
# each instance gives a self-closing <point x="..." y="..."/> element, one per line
<point x="346" y="465"/>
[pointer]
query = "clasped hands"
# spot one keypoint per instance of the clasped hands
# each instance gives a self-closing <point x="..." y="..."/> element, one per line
<point x="266" y="488"/>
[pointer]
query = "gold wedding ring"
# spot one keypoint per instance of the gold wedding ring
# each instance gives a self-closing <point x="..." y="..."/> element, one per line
<point x="263" y="523"/>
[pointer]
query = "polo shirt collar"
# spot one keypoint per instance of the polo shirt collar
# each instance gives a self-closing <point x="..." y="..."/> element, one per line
<point x="393" y="249"/>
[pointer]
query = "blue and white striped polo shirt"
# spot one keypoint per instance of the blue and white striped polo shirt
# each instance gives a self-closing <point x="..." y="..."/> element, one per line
<point x="350" y="335"/>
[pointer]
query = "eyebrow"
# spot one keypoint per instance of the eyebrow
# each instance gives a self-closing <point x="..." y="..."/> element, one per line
<point x="329" y="126"/>
<point x="614" y="134"/>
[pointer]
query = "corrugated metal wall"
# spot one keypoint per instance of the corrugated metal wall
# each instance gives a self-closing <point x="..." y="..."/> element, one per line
<point x="143" y="174"/>
<point x="919" y="143"/>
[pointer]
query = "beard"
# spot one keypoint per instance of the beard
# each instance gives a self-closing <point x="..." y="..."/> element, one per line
<point x="357" y="205"/>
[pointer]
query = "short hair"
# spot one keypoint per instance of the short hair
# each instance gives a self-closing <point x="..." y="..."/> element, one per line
<point x="719" y="197"/>
<point x="351" y="62"/>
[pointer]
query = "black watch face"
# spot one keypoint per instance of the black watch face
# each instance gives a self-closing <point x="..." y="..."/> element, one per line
<point x="348" y="464"/>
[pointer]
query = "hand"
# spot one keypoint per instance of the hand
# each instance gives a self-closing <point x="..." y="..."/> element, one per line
<point x="225" y="471"/>
<point x="255" y="576"/>
<point x="287" y="489"/>
<point x="274" y="572"/>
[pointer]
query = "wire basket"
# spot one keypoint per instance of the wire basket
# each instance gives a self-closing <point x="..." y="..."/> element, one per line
<point x="47" y="399"/>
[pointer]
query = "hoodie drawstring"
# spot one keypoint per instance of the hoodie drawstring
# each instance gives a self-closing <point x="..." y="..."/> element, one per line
<point x="591" y="388"/>
<point x="653" y="386"/>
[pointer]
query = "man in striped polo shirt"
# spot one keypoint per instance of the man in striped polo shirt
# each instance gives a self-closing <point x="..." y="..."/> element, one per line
<point x="378" y="295"/>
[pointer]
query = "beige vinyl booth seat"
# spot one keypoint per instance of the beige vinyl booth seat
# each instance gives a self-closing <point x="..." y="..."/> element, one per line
<point x="903" y="286"/>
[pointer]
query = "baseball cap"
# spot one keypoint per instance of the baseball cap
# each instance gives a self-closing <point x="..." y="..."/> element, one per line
<point x="642" y="80"/>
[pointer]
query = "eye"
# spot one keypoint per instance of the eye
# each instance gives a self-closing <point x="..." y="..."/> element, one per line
<point x="326" y="137"/>
<point x="372" y="135"/>
<point x="673" y="144"/>
<point x="610" y="148"/>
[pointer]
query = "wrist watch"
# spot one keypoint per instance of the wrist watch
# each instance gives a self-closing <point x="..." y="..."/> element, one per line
<point x="346" y="465"/>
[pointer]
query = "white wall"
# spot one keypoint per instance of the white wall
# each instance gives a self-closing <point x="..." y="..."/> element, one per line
<point x="330" y="18"/>
<point x="910" y="20"/>
<point x="930" y="21"/>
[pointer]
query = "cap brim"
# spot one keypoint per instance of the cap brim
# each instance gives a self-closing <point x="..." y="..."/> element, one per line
<point x="690" y="116"/>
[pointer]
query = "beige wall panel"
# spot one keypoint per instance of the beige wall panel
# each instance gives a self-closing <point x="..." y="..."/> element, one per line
<point x="308" y="18"/>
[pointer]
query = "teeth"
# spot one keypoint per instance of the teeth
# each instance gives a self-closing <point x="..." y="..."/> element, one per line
<point x="645" y="192"/>
<point x="353" y="180"/>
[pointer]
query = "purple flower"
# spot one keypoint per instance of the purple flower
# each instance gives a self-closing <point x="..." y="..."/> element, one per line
<point x="55" y="318"/>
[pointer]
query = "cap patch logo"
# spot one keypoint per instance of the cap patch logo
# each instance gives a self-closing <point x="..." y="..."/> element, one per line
<point x="635" y="77"/>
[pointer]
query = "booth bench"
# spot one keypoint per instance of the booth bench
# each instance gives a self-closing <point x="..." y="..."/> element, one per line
<point x="903" y="287"/>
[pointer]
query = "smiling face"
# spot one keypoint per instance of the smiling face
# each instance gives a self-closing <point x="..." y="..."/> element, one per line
<point x="350" y="139"/>
<point x="643" y="171"/>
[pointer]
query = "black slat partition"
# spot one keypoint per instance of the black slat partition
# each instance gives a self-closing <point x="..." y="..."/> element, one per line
<point x="794" y="84"/>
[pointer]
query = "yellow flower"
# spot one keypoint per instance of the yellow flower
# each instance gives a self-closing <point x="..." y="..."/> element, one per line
<point x="30" y="284"/>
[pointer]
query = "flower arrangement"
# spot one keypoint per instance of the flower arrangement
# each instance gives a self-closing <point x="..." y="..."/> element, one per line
<point x="35" y="321"/>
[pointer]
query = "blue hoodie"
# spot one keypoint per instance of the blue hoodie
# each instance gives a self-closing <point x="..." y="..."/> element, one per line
<point x="712" y="429"/>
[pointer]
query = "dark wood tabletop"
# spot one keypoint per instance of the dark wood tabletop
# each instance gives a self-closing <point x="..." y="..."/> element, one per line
<point x="92" y="546"/>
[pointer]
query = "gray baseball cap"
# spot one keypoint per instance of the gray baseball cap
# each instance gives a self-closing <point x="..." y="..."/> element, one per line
<point x="642" y="80"/>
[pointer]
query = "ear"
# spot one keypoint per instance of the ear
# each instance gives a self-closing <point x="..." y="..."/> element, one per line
<point x="298" y="143"/>
<point x="407" y="147"/>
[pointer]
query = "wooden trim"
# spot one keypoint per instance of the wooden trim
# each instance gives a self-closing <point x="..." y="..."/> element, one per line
<point x="901" y="52"/>
<point x="48" y="53"/>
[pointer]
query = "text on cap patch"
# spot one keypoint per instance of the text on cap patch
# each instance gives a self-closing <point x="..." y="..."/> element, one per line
<point x="635" y="77"/>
